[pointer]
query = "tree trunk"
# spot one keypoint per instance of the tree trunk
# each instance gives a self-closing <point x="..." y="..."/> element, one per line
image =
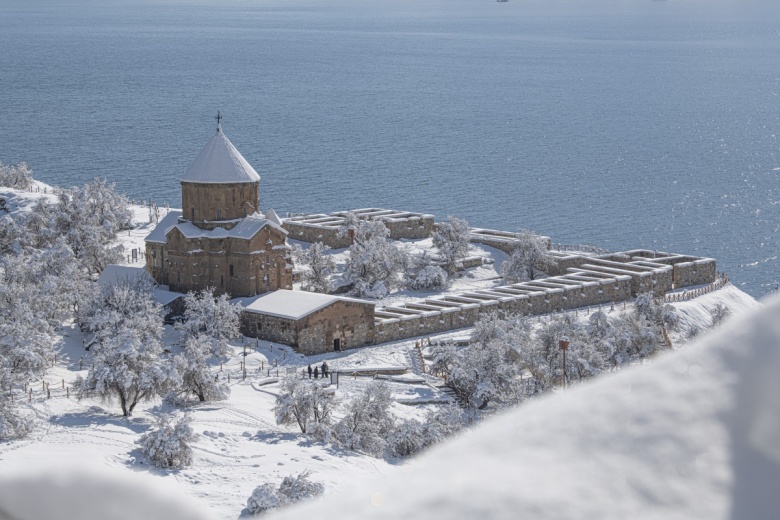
<point x="123" y="402"/>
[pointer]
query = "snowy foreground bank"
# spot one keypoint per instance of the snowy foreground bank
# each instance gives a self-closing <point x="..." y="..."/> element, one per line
<point x="693" y="434"/>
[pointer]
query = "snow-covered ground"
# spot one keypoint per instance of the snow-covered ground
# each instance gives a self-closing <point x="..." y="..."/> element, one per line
<point x="594" y="430"/>
<point x="694" y="434"/>
<point x="241" y="446"/>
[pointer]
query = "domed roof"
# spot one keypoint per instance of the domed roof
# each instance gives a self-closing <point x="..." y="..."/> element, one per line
<point x="220" y="163"/>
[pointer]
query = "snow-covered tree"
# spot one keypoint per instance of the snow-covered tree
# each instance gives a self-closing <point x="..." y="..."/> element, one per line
<point x="265" y="498"/>
<point x="127" y="354"/>
<point x="18" y="177"/>
<point x="635" y="338"/>
<point x="38" y="289"/>
<point x="303" y="402"/>
<point x="719" y="314"/>
<point x="90" y="217"/>
<point x="374" y="261"/>
<point x="367" y="422"/>
<point x="350" y="224"/>
<point x="168" y="445"/>
<point x="408" y="438"/>
<point x="209" y="315"/>
<point x="292" y="489"/>
<point x="429" y="277"/>
<point x="655" y="311"/>
<point x="126" y="305"/>
<point x="488" y="370"/>
<point x="452" y="240"/>
<point x="294" y="403"/>
<point x="529" y="256"/>
<point x="300" y="488"/>
<point x="195" y="374"/>
<point x="13" y="424"/>
<point x="320" y="268"/>
<point x="129" y="368"/>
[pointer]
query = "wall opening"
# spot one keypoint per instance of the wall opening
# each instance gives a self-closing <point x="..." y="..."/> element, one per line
<point x="336" y="344"/>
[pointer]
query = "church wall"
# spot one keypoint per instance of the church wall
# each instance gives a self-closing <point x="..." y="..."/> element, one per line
<point x="258" y="265"/>
<point x="230" y="199"/>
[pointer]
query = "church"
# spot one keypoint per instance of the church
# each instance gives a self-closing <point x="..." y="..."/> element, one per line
<point x="220" y="238"/>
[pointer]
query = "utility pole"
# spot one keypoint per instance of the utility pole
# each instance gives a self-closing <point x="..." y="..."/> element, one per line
<point x="563" y="344"/>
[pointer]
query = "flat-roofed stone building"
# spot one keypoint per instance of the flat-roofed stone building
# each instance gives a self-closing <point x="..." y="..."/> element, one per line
<point x="311" y="323"/>
<point x="220" y="239"/>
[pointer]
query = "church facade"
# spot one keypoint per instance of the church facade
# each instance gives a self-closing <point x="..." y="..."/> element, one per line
<point x="219" y="238"/>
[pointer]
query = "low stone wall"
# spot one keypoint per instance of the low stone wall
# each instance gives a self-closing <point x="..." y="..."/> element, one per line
<point x="698" y="272"/>
<point x="589" y="281"/>
<point x="325" y="228"/>
<point x="456" y="312"/>
<point x="313" y="233"/>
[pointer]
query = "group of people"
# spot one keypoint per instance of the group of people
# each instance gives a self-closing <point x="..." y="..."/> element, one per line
<point x="318" y="370"/>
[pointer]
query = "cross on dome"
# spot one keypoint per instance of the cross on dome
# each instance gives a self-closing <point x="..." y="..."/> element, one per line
<point x="218" y="118"/>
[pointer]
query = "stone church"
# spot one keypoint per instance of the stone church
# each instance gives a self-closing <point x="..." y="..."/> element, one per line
<point x="220" y="239"/>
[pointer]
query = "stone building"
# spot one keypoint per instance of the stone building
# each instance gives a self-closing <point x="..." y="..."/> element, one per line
<point x="311" y="323"/>
<point x="220" y="239"/>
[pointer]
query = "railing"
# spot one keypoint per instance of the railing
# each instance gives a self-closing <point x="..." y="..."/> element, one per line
<point x="721" y="281"/>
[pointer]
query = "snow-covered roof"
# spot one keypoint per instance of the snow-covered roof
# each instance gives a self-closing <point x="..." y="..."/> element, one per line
<point x="114" y="274"/>
<point x="292" y="304"/>
<point x="693" y="434"/>
<point x="245" y="229"/>
<point x="161" y="229"/>
<point x="220" y="163"/>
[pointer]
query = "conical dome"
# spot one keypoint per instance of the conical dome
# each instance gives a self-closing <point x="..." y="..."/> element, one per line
<point x="220" y="163"/>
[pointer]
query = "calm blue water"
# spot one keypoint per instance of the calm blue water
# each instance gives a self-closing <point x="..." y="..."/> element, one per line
<point x="616" y="123"/>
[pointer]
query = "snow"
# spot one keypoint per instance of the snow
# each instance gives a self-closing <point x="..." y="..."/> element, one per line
<point x="114" y="274"/>
<point x="160" y="231"/>
<point x="244" y="230"/>
<point x="273" y="217"/>
<point x="292" y="304"/>
<point x="220" y="163"/>
<point x="694" y="434"/>
<point x="646" y="440"/>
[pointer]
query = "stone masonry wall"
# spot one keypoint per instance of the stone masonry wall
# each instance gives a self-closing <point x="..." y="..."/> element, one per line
<point x="352" y="323"/>
<point x="219" y="201"/>
<point x="269" y="328"/>
<point x="580" y="293"/>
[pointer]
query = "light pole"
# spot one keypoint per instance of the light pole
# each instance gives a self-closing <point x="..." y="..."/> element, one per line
<point x="563" y="344"/>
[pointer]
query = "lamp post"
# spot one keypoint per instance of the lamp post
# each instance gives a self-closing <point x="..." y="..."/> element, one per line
<point x="563" y="344"/>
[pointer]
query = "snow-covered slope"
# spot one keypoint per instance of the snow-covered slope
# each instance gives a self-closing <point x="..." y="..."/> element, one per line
<point x="695" y="434"/>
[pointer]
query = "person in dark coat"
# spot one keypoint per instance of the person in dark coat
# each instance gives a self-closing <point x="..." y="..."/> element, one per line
<point x="316" y="372"/>
<point x="309" y="371"/>
<point x="324" y="369"/>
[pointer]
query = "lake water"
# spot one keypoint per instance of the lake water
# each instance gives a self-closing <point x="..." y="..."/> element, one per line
<point x="621" y="124"/>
